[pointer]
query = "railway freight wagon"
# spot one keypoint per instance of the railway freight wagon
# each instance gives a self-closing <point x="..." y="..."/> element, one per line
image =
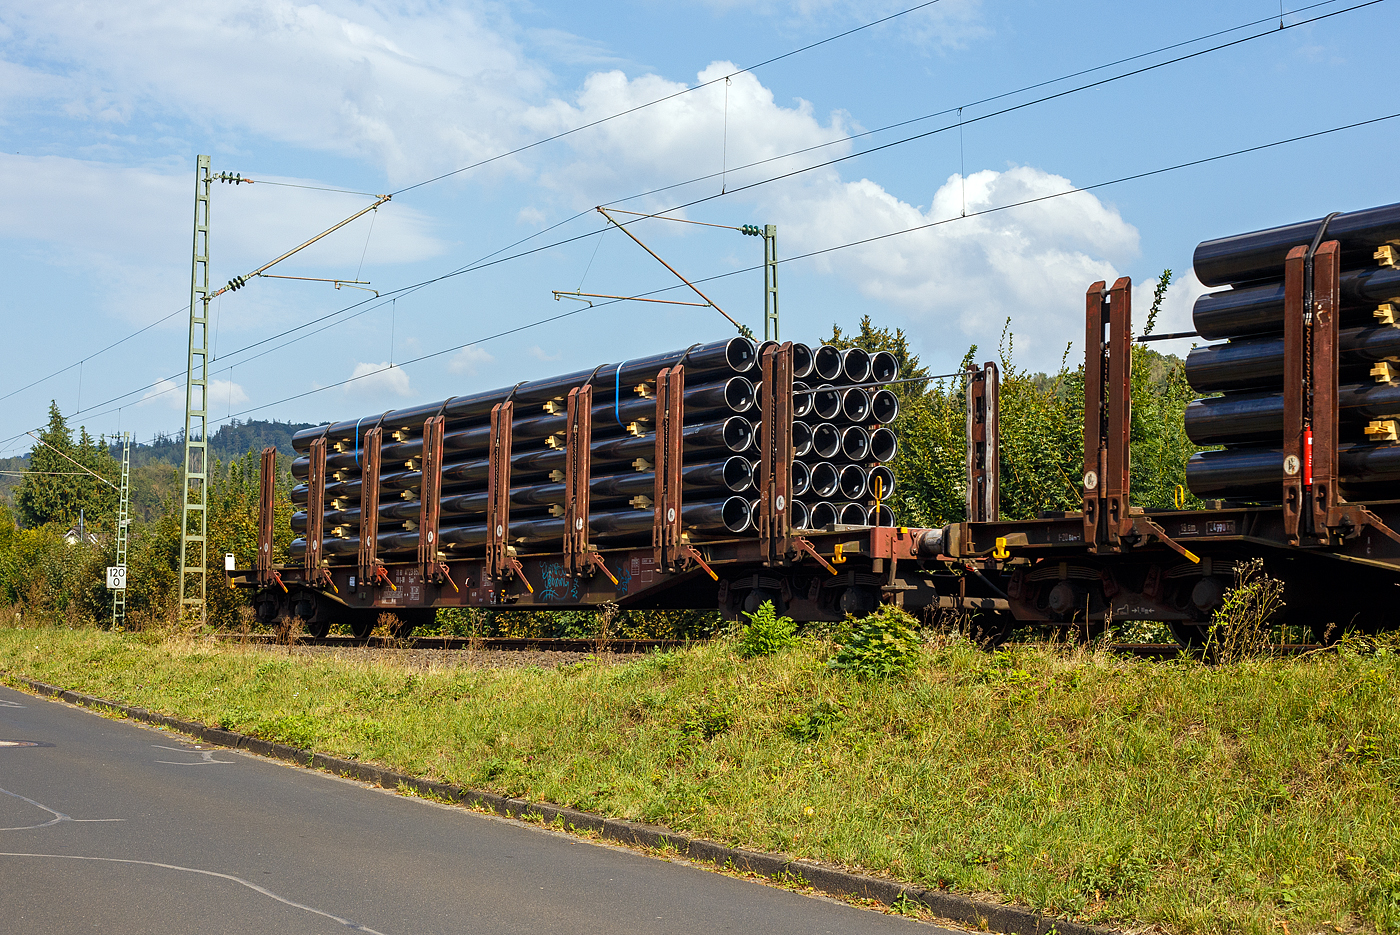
<point x="726" y="475"/>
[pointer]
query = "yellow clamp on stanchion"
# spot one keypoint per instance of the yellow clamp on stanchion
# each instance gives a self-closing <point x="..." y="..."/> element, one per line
<point x="1000" y="551"/>
<point x="1179" y="497"/>
<point x="836" y="556"/>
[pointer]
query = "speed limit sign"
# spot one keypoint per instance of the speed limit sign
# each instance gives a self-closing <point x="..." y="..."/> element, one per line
<point x="116" y="577"/>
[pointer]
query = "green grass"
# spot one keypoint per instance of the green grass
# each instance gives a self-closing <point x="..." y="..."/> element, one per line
<point x="1200" y="799"/>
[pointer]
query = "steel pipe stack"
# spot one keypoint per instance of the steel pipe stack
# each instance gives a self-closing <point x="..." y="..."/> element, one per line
<point x="842" y="438"/>
<point x="722" y="382"/>
<point x="1246" y="371"/>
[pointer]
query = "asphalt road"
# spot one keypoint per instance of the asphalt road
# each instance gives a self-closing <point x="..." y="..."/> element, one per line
<point x="111" y="827"/>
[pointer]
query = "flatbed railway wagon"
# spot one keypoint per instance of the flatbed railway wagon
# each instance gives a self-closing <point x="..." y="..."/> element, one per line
<point x="1306" y="481"/>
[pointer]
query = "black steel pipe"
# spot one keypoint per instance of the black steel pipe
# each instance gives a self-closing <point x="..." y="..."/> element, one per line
<point x="884" y="445"/>
<point x="826" y="402"/>
<point x="884" y="406"/>
<point x="855" y="405"/>
<point x="732" y="475"/>
<point x="880" y="515"/>
<point x="802" y="360"/>
<point x="852" y="481"/>
<point x="1256" y="474"/>
<point x="821" y="515"/>
<point x="733" y="355"/>
<point x="1253" y="418"/>
<point x="1257" y="363"/>
<point x="703" y="403"/>
<point x="855" y="443"/>
<point x="800" y="517"/>
<point x="880" y="482"/>
<point x="1254" y="310"/>
<point x="825" y="479"/>
<point x="801" y="401"/>
<point x="1260" y="254"/>
<point x="826" y="363"/>
<point x="734" y="435"/>
<point x="851" y="514"/>
<point x="826" y="441"/>
<point x="801" y="439"/>
<point x="884" y="367"/>
<point x="801" y="479"/>
<point x="855" y="365"/>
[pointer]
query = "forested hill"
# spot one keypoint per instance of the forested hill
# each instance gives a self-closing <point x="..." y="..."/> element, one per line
<point x="229" y="442"/>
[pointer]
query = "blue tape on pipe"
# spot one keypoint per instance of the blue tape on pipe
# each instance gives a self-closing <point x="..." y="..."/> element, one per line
<point x="617" y="394"/>
<point x="357" y="441"/>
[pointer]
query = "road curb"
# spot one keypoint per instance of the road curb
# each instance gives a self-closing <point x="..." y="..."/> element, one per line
<point x="986" y="916"/>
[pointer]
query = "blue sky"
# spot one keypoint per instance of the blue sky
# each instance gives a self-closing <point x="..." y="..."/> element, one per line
<point x="103" y="108"/>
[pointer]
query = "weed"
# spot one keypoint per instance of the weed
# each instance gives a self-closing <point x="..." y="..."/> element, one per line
<point x="766" y="633"/>
<point x="706" y="723"/>
<point x="882" y="645"/>
<point x="289" y="631"/>
<point x="905" y="906"/>
<point x="819" y="721"/>
<point x="294" y="730"/>
<point x="1383" y="903"/>
<point x="1117" y="874"/>
<point x="235" y="717"/>
<point x="607" y="613"/>
<point x="1240" y="627"/>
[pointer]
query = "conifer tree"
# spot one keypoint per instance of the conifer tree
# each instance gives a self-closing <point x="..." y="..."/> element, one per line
<point x="55" y="487"/>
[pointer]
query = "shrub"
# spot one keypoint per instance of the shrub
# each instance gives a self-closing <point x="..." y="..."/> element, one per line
<point x="882" y="645"/>
<point x="766" y="632"/>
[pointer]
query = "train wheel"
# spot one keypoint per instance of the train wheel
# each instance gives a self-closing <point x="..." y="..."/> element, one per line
<point x="267" y="609"/>
<point x="1189" y="635"/>
<point x="314" y="613"/>
<point x="361" y="623"/>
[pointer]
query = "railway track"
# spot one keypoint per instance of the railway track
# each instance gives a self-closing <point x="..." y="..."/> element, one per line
<point x="460" y="643"/>
<point x="630" y="647"/>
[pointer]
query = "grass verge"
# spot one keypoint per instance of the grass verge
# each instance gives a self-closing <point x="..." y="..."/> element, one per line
<point x="1256" y="797"/>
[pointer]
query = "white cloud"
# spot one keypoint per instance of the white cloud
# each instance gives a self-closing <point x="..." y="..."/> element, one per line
<point x="414" y="87"/>
<point x="469" y="360"/>
<point x="135" y="230"/>
<point x="222" y="394"/>
<point x="378" y="380"/>
<point x="225" y="394"/>
<point x="1031" y="263"/>
<point x="538" y="353"/>
<point x="680" y="138"/>
<point x="166" y="392"/>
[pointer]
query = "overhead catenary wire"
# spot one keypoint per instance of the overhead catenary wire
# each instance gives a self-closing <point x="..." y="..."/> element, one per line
<point x="831" y="249"/>
<point x="697" y="179"/>
<point x="855" y="243"/>
<point x="494" y="258"/>
<point x="490" y="259"/>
